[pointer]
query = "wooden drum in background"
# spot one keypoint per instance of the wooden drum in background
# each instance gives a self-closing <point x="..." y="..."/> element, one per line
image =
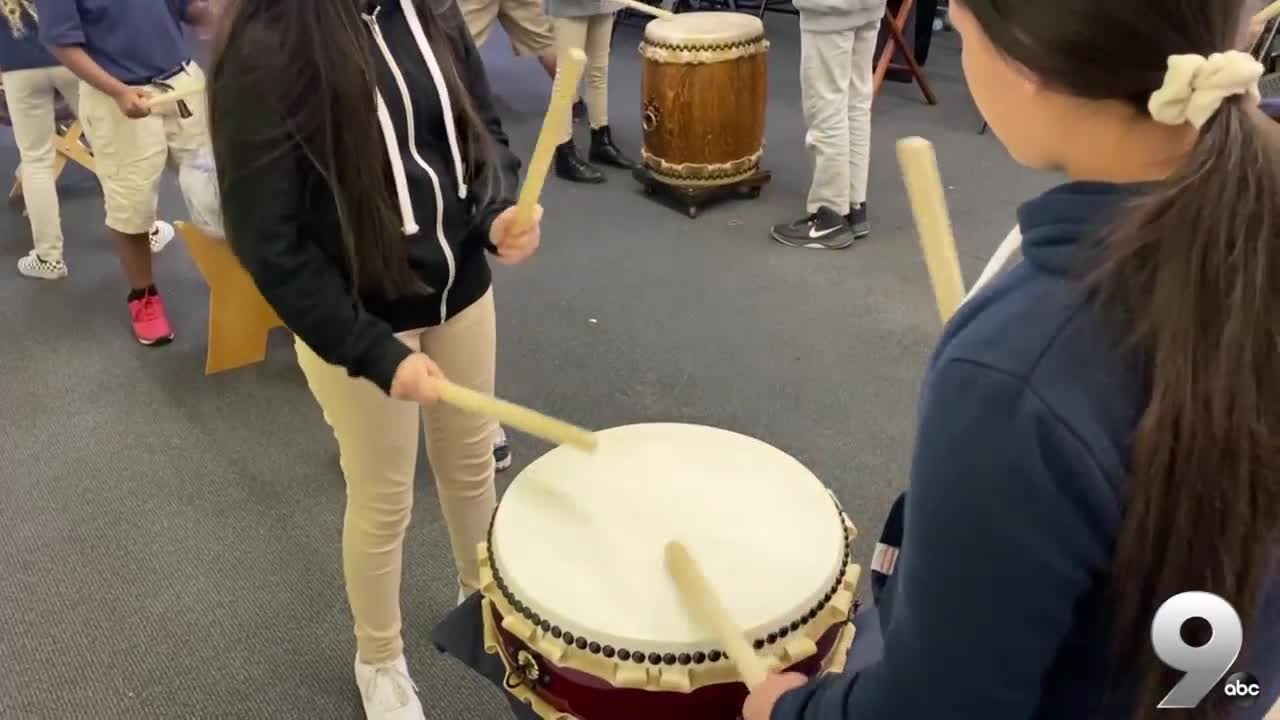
<point x="704" y="92"/>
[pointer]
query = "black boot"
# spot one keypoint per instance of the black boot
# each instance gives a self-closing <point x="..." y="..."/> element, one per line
<point x="605" y="152"/>
<point x="570" y="165"/>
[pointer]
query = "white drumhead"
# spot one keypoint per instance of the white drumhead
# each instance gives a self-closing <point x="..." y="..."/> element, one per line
<point x="579" y="538"/>
<point x="704" y="29"/>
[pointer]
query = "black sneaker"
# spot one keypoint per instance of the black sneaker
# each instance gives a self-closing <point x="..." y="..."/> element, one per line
<point x="569" y="165"/>
<point x="501" y="451"/>
<point x="857" y="219"/>
<point x="823" y="230"/>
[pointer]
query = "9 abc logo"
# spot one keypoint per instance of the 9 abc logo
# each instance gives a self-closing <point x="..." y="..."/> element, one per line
<point x="1206" y="664"/>
<point x="1243" y="687"/>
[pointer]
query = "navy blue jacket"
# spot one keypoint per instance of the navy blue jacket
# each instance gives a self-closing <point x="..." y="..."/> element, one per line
<point x="995" y="608"/>
<point x="21" y="48"/>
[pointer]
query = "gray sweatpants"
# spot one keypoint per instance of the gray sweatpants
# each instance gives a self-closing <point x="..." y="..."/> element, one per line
<point x="836" y="71"/>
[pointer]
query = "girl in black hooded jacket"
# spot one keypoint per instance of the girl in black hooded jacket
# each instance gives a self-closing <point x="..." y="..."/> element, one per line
<point x="365" y="176"/>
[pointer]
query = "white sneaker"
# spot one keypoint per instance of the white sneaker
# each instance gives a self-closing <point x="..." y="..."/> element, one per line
<point x="388" y="692"/>
<point x="161" y="233"/>
<point x="33" y="266"/>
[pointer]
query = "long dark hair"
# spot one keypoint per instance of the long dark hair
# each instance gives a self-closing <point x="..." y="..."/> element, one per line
<point x="317" y="60"/>
<point x="1192" y="276"/>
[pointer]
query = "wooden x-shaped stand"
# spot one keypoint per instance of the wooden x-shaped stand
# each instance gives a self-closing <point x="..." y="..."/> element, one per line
<point x="896" y="43"/>
<point x="239" y="318"/>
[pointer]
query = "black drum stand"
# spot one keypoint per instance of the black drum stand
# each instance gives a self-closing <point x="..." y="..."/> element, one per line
<point x="694" y="197"/>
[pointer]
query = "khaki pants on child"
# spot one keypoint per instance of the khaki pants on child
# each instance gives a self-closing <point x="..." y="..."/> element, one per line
<point x="524" y="21"/>
<point x="593" y="34"/>
<point x="836" y="71"/>
<point x="30" y="96"/>
<point x="131" y="155"/>
<point x="378" y="443"/>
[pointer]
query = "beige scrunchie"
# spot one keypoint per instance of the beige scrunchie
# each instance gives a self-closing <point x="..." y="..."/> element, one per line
<point x="1195" y="86"/>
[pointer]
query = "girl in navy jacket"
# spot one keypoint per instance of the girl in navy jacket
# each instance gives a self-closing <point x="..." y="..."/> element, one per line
<point x="1100" y="426"/>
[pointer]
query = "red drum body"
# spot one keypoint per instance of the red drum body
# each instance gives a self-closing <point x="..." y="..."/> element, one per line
<point x="574" y="694"/>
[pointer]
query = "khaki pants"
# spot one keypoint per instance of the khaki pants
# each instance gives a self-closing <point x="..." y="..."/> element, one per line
<point x="524" y="20"/>
<point x="836" y="89"/>
<point x="29" y="95"/>
<point x="131" y="155"/>
<point x="592" y="34"/>
<point x="378" y="443"/>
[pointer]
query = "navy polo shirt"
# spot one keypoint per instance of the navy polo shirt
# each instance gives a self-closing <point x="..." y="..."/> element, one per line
<point x="20" y="47"/>
<point x="136" y="41"/>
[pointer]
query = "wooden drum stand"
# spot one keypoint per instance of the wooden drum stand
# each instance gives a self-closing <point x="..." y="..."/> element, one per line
<point x="694" y="197"/>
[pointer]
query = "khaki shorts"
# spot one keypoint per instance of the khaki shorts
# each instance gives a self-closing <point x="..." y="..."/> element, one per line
<point x="131" y="155"/>
<point x="524" y="20"/>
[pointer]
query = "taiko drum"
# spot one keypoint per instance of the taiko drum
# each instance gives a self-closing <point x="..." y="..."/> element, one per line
<point x="579" y="606"/>
<point x="704" y="87"/>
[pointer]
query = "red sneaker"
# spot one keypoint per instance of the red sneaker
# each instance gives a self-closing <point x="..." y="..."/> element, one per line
<point x="150" y="324"/>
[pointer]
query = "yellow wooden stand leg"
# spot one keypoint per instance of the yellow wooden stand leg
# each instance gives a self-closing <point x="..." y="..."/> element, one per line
<point x="69" y="146"/>
<point x="239" y="318"/>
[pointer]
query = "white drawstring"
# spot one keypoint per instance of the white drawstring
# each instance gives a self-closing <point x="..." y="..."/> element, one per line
<point x="1011" y="243"/>
<point x="1195" y="86"/>
<point x="446" y="104"/>
<point x="401" y="85"/>
<point x="410" y="225"/>
<point x="393" y="145"/>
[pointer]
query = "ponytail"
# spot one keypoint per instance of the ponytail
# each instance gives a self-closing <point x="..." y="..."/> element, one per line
<point x="1193" y="275"/>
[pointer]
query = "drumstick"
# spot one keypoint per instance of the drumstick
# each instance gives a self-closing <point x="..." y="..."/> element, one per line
<point x="646" y="8"/>
<point x="516" y="416"/>
<point x="172" y="97"/>
<point x="707" y="607"/>
<point x="564" y="90"/>
<point x="929" y="205"/>
<point x="1268" y="13"/>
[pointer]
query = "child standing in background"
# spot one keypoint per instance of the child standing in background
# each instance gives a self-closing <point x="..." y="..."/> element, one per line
<point x="588" y="25"/>
<point x="31" y="77"/>
<point x="837" y="42"/>
<point x="124" y="51"/>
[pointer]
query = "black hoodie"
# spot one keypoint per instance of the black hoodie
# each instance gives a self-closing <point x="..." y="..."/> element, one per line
<point x="281" y="219"/>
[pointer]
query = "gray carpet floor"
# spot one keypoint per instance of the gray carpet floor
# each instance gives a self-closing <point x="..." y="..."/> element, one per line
<point x="169" y="541"/>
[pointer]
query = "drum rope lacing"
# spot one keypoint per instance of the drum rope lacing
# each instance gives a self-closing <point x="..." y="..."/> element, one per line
<point x="671" y="54"/>
<point x="733" y="45"/>
<point x="669" y="659"/>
